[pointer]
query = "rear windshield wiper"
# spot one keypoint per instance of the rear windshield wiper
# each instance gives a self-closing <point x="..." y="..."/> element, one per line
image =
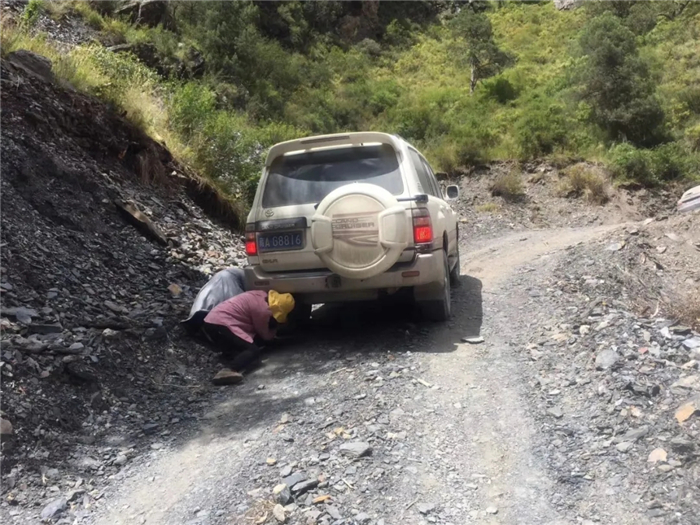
<point x="420" y="198"/>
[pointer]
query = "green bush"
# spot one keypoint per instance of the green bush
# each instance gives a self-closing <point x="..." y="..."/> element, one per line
<point x="692" y="136"/>
<point x="540" y="130"/>
<point x="651" y="167"/>
<point x="618" y="85"/>
<point x="509" y="186"/>
<point x="31" y="12"/>
<point x="384" y="95"/>
<point x="631" y="164"/>
<point x="191" y="105"/>
<point x="500" y="89"/>
<point x="584" y="181"/>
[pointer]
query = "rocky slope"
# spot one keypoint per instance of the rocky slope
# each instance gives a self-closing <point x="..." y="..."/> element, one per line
<point x="91" y="349"/>
<point x="617" y="383"/>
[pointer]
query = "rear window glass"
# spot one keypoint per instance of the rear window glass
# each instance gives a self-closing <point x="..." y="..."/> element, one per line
<point x="308" y="177"/>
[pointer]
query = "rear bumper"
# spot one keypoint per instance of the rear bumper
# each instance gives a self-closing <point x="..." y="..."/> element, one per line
<point x="323" y="286"/>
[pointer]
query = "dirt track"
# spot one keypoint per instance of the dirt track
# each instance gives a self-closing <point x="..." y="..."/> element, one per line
<point x="115" y="419"/>
<point x="469" y="439"/>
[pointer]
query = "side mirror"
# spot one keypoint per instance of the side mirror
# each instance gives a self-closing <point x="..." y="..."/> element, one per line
<point x="452" y="192"/>
<point x="441" y="175"/>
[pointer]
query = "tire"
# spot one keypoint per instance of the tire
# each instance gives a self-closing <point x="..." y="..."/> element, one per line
<point x="455" y="272"/>
<point x="440" y="309"/>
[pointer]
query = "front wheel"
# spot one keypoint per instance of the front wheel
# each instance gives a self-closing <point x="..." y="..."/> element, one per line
<point x="440" y="309"/>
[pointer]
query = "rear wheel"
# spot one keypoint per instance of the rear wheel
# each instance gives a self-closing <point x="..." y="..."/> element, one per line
<point x="440" y="309"/>
<point x="454" y="274"/>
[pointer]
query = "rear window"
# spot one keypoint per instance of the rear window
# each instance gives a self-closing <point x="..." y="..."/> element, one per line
<point x="308" y="177"/>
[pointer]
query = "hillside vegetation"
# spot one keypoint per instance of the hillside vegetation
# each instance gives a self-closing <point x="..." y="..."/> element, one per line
<point x="218" y="82"/>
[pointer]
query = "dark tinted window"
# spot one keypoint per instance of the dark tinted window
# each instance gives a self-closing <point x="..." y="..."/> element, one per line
<point x="433" y="181"/>
<point x="423" y="177"/>
<point x="308" y="177"/>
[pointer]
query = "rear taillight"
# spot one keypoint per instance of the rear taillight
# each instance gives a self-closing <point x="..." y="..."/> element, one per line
<point x="422" y="228"/>
<point x="251" y="245"/>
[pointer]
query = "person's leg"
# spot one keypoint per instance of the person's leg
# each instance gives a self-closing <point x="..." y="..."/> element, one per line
<point x="238" y="353"/>
<point x="245" y="359"/>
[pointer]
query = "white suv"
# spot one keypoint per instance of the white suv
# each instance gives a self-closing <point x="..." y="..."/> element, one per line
<point x="352" y="217"/>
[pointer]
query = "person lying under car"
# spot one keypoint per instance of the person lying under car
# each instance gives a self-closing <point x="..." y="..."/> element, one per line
<point x="239" y="326"/>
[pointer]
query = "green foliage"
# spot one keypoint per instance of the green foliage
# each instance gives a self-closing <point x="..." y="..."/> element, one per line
<point x="541" y="129"/>
<point x="190" y="107"/>
<point x="617" y="84"/>
<point x="222" y="144"/>
<point x="641" y="17"/>
<point x="652" y="167"/>
<point x="400" y="34"/>
<point x="692" y="136"/>
<point x="475" y="46"/>
<point x="31" y="12"/>
<point x="500" y="89"/>
<point x="614" y="80"/>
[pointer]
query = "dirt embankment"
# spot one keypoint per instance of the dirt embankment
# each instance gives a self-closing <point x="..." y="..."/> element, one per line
<point x="91" y="350"/>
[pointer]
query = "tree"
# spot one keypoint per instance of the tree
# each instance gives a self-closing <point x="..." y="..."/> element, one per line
<point x="476" y="46"/>
<point x="642" y="16"/>
<point x="617" y="83"/>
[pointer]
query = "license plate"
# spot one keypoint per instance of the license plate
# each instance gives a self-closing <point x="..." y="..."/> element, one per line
<point x="275" y="242"/>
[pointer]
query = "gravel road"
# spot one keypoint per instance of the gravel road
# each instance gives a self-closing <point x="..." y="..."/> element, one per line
<point x="441" y="431"/>
<point x="581" y="406"/>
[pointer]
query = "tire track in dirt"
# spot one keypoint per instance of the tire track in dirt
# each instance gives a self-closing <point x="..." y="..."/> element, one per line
<point x="498" y="436"/>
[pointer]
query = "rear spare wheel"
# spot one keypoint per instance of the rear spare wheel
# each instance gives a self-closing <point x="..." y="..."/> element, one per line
<point x="359" y="230"/>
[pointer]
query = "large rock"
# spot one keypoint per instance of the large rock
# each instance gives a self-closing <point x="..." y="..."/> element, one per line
<point x="52" y="509"/>
<point x="606" y="359"/>
<point x="278" y="513"/>
<point x="304" y="486"/>
<point x="635" y="434"/>
<point x="566" y="5"/>
<point x="295" y="478"/>
<point x="147" y="12"/>
<point x="682" y="445"/>
<point x="5" y="428"/>
<point x="226" y="376"/>
<point x="356" y="449"/>
<point x="282" y="494"/>
<point x="140" y="221"/>
<point x="31" y="64"/>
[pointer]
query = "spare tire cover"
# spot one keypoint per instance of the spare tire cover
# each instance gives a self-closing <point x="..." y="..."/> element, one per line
<point x="359" y="230"/>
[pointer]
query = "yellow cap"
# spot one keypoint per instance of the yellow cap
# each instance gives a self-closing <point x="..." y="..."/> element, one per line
<point x="280" y="305"/>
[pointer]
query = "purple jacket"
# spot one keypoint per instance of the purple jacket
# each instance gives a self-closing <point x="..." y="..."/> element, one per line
<point x="246" y="315"/>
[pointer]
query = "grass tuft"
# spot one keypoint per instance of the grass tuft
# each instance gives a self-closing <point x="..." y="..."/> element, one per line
<point x="509" y="186"/>
<point x="584" y="181"/>
<point x="686" y="310"/>
<point x="488" y="207"/>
